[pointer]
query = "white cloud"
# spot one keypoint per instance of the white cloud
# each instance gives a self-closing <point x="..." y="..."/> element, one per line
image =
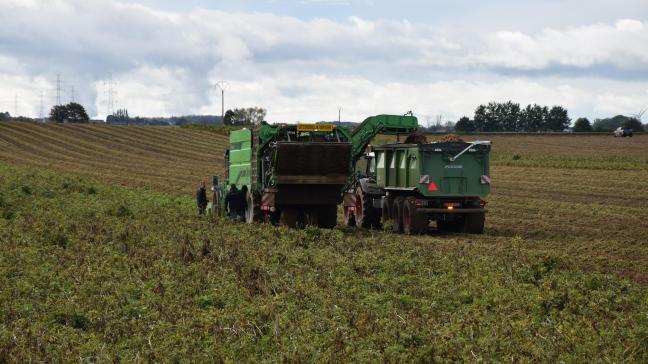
<point x="621" y="45"/>
<point x="167" y="63"/>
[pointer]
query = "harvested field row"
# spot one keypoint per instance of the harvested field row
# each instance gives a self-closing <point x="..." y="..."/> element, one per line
<point x="167" y="159"/>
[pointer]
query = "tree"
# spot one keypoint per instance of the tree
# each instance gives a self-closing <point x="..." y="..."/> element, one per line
<point x="5" y="116"/>
<point x="118" y="117"/>
<point x="59" y="113"/>
<point x="229" y="115"/>
<point x="582" y="125"/>
<point x="533" y="118"/>
<point x="465" y="125"/>
<point x="508" y="116"/>
<point x="244" y="116"/>
<point x="481" y="118"/>
<point x="72" y="112"/>
<point x="633" y="124"/>
<point x="77" y="113"/>
<point x="557" y="119"/>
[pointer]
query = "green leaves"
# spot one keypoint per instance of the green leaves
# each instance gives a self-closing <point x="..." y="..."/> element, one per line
<point x="123" y="274"/>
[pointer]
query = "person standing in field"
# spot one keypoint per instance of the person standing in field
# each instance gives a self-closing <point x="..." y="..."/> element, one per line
<point x="201" y="198"/>
<point x="235" y="203"/>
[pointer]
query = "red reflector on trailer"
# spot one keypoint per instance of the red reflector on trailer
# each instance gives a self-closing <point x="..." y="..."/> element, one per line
<point x="352" y="208"/>
<point x="432" y="187"/>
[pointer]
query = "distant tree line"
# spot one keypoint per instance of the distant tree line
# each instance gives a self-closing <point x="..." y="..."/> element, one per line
<point x="121" y="117"/>
<point x="242" y="116"/>
<point x="509" y="116"/>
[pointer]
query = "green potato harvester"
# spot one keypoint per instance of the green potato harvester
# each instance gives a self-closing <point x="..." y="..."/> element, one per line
<point x="298" y="174"/>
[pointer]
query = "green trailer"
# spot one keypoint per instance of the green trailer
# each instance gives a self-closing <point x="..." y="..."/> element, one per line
<point x="413" y="184"/>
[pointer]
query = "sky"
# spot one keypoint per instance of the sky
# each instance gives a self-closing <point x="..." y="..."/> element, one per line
<point x="302" y="60"/>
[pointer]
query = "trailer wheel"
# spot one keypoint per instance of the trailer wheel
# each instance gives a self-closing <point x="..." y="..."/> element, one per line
<point x="474" y="223"/>
<point x="366" y="215"/>
<point x="327" y="216"/>
<point x="397" y="215"/>
<point x="414" y="222"/>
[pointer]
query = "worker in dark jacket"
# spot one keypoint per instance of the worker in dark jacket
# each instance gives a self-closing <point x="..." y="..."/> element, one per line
<point x="235" y="204"/>
<point x="201" y="198"/>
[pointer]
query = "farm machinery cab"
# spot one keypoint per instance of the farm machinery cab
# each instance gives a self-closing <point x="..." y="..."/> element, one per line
<point x="294" y="173"/>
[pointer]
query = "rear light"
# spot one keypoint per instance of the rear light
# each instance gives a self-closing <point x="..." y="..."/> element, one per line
<point x="351" y="208"/>
<point x="482" y="204"/>
<point x="265" y="208"/>
<point x="452" y="205"/>
<point x="420" y="203"/>
<point x="432" y="187"/>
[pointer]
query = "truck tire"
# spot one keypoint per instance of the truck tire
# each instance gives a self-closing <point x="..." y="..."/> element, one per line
<point x="474" y="223"/>
<point x="397" y="215"/>
<point x="366" y="215"/>
<point x="327" y="216"/>
<point x="414" y="222"/>
<point x="349" y="217"/>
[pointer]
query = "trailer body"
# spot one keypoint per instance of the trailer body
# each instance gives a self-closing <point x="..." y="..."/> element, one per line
<point x="411" y="185"/>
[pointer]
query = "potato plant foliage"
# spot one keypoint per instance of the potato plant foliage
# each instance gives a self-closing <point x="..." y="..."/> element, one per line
<point x="98" y="272"/>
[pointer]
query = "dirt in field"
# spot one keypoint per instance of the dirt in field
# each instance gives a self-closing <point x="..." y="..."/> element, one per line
<point x="582" y="198"/>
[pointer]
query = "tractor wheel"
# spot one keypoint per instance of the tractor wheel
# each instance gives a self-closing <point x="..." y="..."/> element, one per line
<point x="349" y="217"/>
<point x="327" y="216"/>
<point x="366" y="215"/>
<point x="474" y="223"/>
<point x="414" y="222"/>
<point x="397" y="215"/>
<point x="252" y="213"/>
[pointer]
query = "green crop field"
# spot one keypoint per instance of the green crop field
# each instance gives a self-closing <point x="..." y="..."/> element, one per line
<point x="103" y="259"/>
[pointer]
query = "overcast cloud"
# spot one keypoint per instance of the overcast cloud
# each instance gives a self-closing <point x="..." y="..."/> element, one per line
<point x="166" y="60"/>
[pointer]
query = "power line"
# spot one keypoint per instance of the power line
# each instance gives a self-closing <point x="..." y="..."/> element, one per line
<point x="72" y="94"/>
